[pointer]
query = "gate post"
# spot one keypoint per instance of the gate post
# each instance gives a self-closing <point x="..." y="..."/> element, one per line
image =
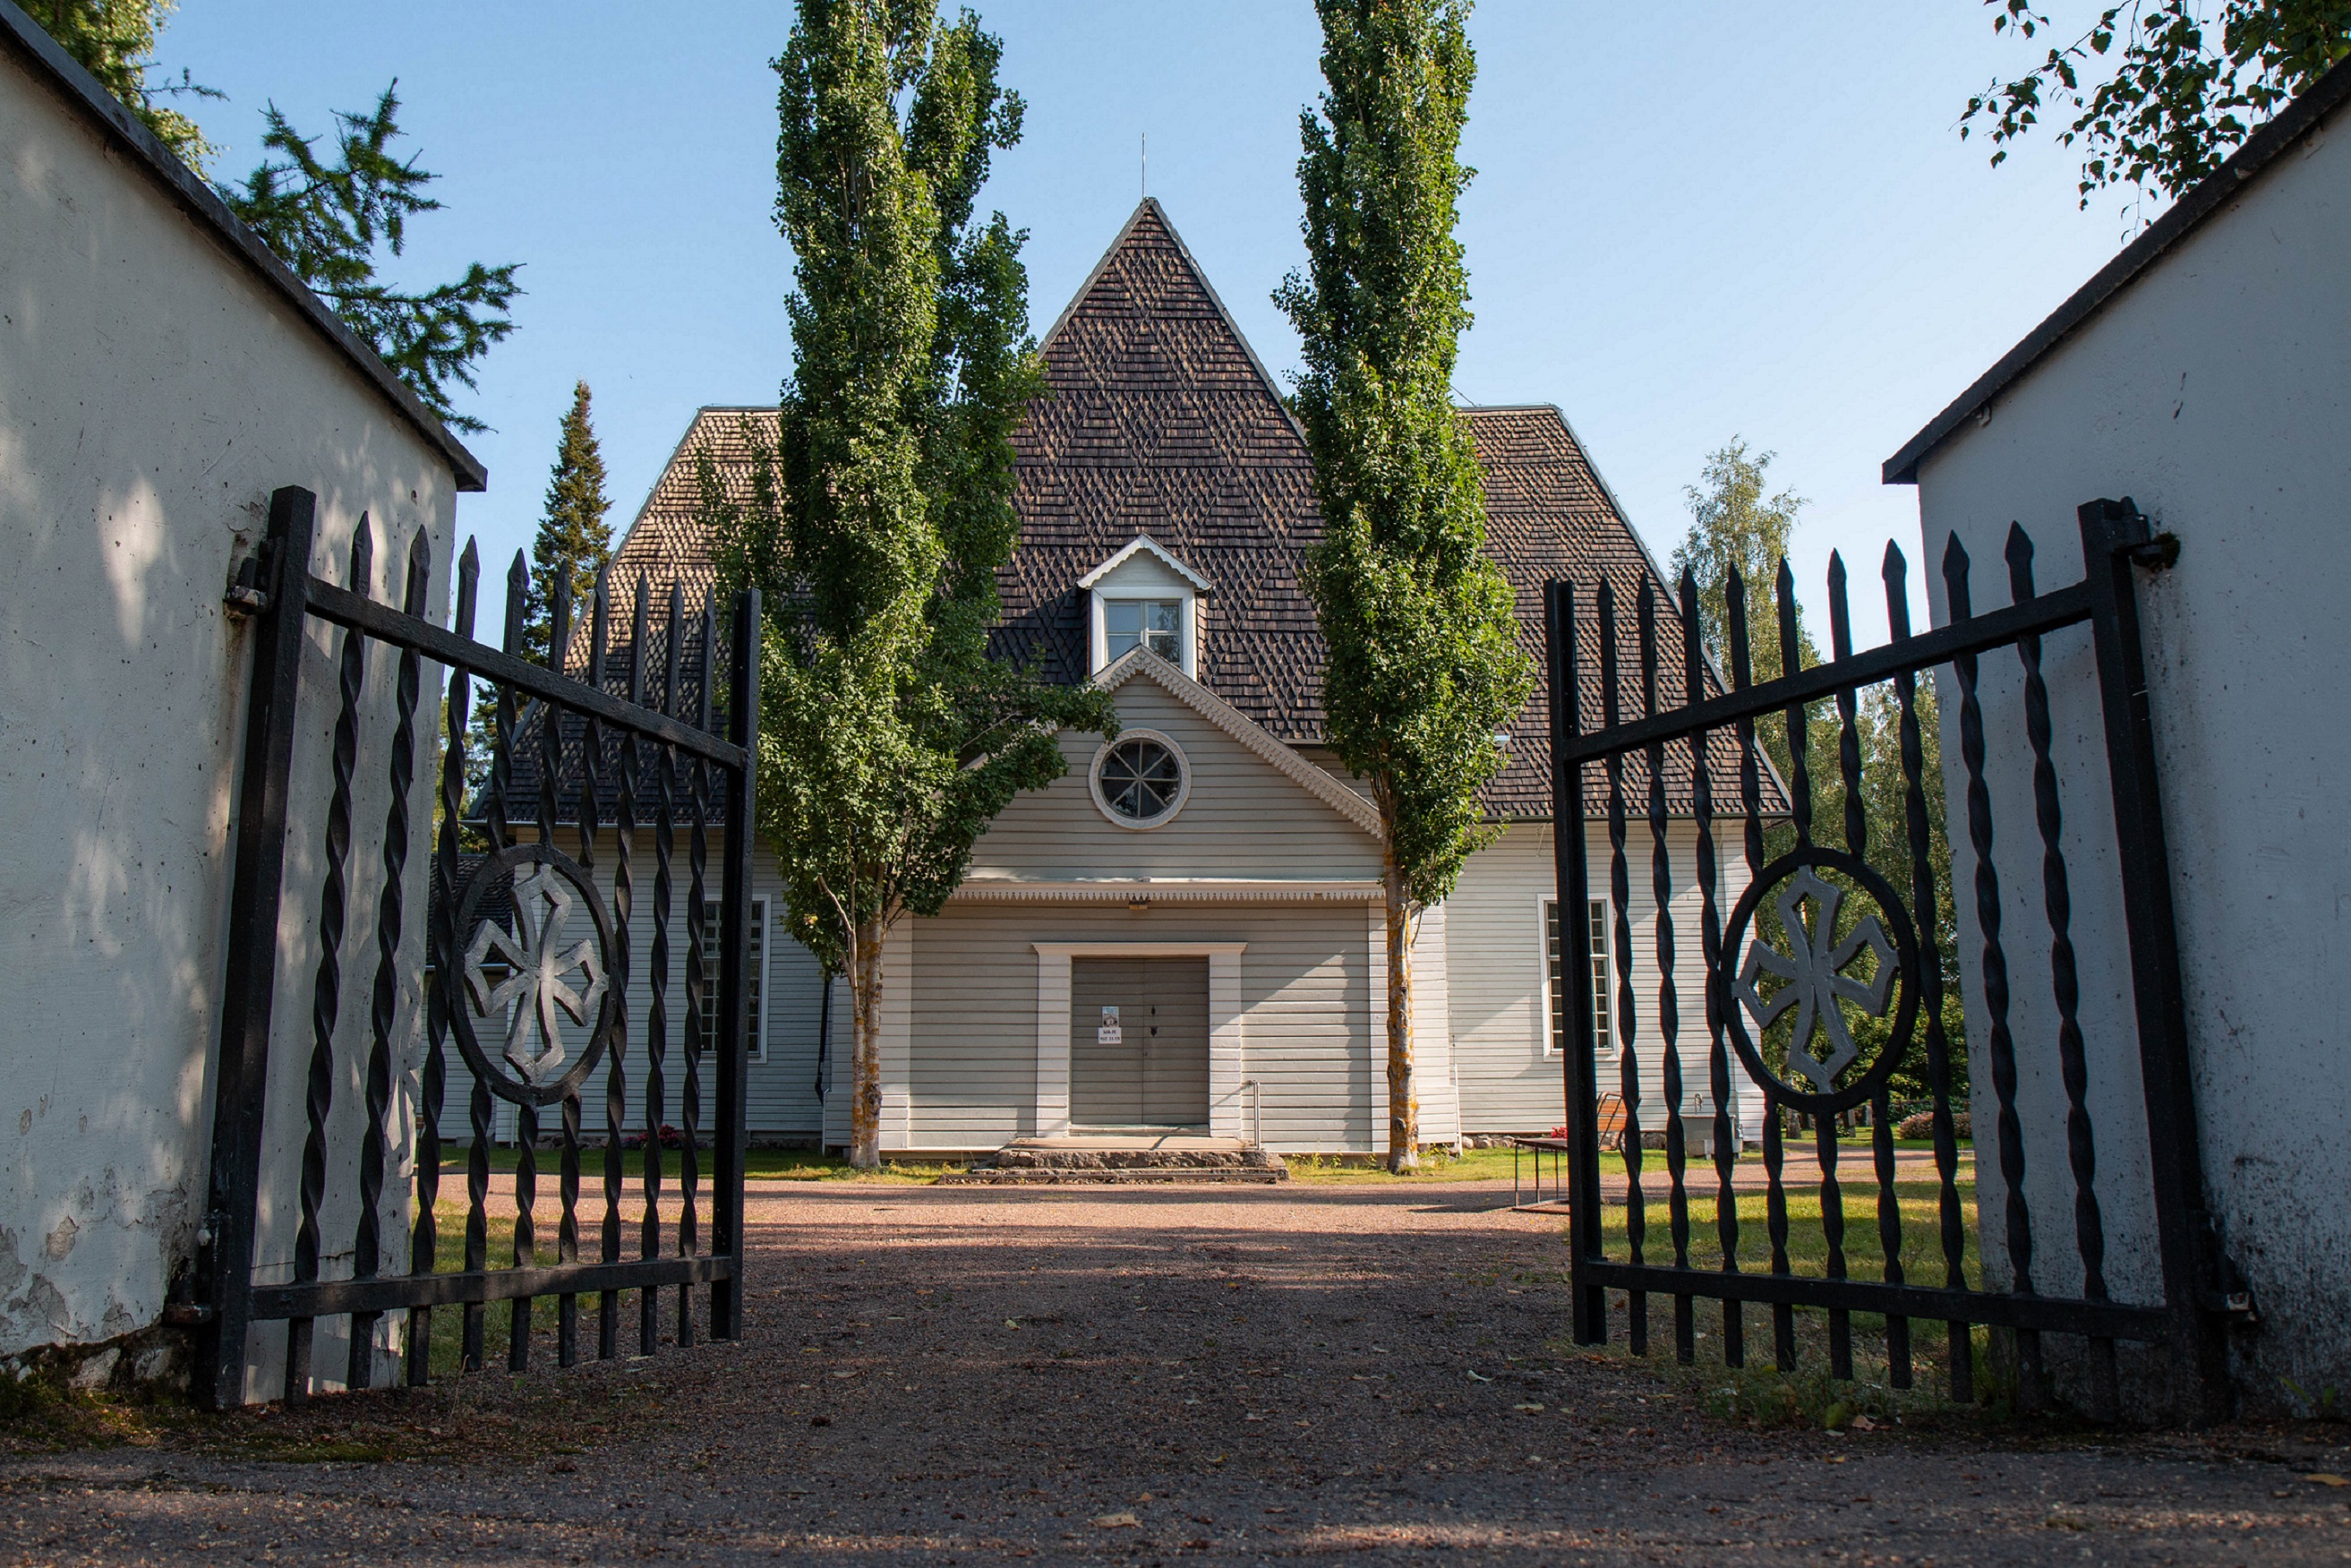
<point x="2113" y="533"/>
<point x="241" y="1076"/>
<point x="1590" y="1301"/>
<point x="734" y="954"/>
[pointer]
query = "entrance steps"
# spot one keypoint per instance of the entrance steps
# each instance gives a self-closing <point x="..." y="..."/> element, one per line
<point x="1142" y="1160"/>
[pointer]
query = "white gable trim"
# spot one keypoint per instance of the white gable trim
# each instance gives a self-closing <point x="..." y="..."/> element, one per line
<point x="1242" y="728"/>
<point x="1144" y="543"/>
<point x="1149" y="890"/>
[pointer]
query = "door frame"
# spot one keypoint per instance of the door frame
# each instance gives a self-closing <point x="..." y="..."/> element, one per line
<point x="1053" y="1025"/>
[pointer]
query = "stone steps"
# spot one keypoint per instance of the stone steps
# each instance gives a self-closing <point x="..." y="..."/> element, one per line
<point x="1098" y="1175"/>
<point x="1124" y="1161"/>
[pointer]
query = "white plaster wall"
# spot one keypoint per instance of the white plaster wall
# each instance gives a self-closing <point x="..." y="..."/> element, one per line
<point x="2215" y="392"/>
<point x="153" y="394"/>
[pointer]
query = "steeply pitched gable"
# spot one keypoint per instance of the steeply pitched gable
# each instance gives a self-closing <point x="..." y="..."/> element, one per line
<point x="1549" y="515"/>
<point x="1159" y="421"/>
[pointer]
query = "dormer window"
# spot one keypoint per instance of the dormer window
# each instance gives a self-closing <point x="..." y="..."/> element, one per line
<point x="1144" y="597"/>
<point x="1156" y="623"/>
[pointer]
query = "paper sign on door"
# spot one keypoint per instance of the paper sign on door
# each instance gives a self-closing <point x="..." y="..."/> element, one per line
<point x="1109" y="1033"/>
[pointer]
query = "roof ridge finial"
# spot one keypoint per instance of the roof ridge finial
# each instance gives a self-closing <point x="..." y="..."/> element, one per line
<point x="1146" y="167"/>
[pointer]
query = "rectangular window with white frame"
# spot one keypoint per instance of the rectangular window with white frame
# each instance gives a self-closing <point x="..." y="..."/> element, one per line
<point x="1556" y="992"/>
<point x="754" y="977"/>
<point x="1154" y="624"/>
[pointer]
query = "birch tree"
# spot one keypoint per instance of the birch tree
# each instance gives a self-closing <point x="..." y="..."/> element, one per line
<point x="1424" y="666"/>
<point x="875" y="520"/>
<point x="2160" y="92"/>
<point x="1738" y="526"/>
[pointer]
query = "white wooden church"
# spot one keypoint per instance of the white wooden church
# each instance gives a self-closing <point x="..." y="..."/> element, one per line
<point x="1184" y="933"/>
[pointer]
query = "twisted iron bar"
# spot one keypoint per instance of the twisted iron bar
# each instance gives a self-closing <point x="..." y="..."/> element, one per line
<point x="2000" y="1043"/>
<point x="2081" y="1149"/>
<point x="441" y="936"/>
<point x="368" y="1259"/>
<point x="327" y="987"/>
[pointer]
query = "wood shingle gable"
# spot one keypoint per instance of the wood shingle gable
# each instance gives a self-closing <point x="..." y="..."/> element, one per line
<point x="1159" y="422"/>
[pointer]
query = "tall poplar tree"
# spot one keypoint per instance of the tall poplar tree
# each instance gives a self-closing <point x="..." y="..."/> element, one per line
<point x="874" y="524"/>
<point x="1424" y="666"/>
<point x="573" y="542"/>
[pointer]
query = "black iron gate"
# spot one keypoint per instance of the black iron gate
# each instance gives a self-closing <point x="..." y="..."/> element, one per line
<point x="1682" y="726"/>
<point x="504" y="974"/>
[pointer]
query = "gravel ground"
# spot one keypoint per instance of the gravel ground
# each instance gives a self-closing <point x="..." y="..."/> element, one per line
<point x="971" y="1375"/>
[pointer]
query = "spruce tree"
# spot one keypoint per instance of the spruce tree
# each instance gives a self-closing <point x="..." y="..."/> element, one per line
<point x="573" y="542"/>
<point x="334" y="224"/>
<point x="1424" y="666"/>
<point x="875" y="525"/>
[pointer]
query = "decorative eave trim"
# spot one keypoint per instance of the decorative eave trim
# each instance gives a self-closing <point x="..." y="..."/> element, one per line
<point x="1244" y="729"/>
<point x="1139" y="949"/>
<point x="1165" y="889"/>
<point x="1144" y="543"/>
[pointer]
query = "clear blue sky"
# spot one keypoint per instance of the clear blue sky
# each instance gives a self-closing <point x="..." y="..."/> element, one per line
<point x="1689" y="222"/>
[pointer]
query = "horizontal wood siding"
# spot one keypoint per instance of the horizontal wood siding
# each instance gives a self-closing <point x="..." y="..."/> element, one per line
<point x="1510" y="1080"/>
<point x="973" y="1068"/>
<point x="1304" y="1016"/>
<point x="779" y="1089"/>
<point x="1241" y="819"/>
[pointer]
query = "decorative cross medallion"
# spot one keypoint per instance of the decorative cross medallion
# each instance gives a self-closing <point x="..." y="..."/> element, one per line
<point x="1815" y="978"/>
<point x="535" y="964"/>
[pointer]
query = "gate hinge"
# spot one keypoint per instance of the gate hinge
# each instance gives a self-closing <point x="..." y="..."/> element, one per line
<point x="2145" y="548"/>
<point x="247" y="593"/>
<point x="2232" y="1296"/>
<point x="2237" y="1306"/>
<point x="187" y="1314"/>
<point x="2159" y="553"/>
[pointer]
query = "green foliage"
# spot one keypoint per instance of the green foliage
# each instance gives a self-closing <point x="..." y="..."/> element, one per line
<point x="328" y="222"/>
<point x="2169" y="101"/>
<point x="1424" y="663"/>
<point x="874" y="523"/>
<point x="1424" y="666"/>
<point x="573" y="542"/>
<point x="115" y="42"/>
<point x="1736" y="527"/>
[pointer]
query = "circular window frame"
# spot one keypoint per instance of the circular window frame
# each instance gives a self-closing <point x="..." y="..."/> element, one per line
<point x="1183" y="787"/>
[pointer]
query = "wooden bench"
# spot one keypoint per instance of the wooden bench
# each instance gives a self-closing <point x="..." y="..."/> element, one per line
<point x="1609" y="1111"/>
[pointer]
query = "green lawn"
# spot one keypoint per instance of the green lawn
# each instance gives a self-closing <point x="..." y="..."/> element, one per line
<point x="1808" y="1250"/>
<point x="1759" y="1391"/>
<point x="1437" y="1164"/>
<point x="761" y="1165"/>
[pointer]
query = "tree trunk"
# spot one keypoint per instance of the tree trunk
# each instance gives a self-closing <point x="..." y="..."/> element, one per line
<point x="1404" y="1107"/>
<point x="865" y="1045"/>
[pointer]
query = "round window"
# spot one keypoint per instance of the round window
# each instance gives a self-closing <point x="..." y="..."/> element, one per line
<point x="1139" y="779"/>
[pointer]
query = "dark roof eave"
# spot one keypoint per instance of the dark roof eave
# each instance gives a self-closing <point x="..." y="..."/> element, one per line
<point x="2261" y="150"/>
<point x="27" y="38"/>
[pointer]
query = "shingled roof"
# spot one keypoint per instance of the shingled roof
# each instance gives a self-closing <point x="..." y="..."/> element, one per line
<point x="1159" y="421"/>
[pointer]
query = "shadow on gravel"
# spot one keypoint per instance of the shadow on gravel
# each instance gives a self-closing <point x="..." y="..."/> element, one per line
<point x="962" y="1376"/>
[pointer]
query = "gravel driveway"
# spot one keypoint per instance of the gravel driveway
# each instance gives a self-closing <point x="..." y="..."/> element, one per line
<point x="1306" y="1373"/>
